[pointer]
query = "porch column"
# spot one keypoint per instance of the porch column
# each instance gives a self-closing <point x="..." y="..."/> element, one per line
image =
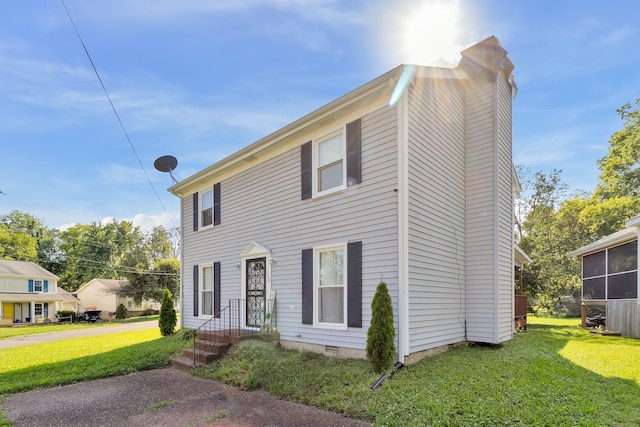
<point x="32" y="311"/>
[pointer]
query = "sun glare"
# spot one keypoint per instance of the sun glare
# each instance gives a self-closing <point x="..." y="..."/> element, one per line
<point x="432" y="34"/>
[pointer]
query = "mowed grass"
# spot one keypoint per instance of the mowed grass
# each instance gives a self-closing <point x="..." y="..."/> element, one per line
<point x="67" y="361"/>
<point x="554" y="374"/>
<point x="10" y="332"/>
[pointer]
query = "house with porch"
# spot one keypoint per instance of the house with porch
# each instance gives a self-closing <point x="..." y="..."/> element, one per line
<point x="30" y="293"/>
<point x="407" y="179"/>
<point x="610" y="278"/>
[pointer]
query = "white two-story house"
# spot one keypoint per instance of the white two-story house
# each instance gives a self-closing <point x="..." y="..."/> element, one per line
<point x="407" y="179"/>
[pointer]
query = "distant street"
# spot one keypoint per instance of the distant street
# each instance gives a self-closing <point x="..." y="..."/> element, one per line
<point x="76" y="333"/>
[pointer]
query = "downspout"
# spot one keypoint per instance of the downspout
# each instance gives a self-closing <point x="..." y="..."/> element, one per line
<point x="403" y="226"/>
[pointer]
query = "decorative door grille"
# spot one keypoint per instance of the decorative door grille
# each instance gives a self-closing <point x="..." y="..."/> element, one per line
<point x="256" y="291"/>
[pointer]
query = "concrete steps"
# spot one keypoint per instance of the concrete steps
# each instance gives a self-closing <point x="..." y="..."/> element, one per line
<point x="211" y="346"/>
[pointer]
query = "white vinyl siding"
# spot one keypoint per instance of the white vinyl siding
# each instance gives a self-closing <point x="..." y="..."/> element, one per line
<point x="263" y="204"/>
<point x="489" y="213"/>
<point x="505" y="211"/>
<point x="436" y="214"/>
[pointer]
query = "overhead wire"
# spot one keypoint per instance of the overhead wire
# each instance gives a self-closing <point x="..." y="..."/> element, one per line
<point x="116" y="113"/>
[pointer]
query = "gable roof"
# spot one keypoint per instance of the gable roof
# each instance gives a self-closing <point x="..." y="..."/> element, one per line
<point x="24" y="269"/>
<point x="111" y="284"/>
<point x="485" y="55"/>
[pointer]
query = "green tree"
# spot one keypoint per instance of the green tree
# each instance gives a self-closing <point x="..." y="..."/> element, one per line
<point x="381" y="333"/>
<point x="621" y="166"/>
<point x="168" y="319"/>
<point x="150" y="284"/>
<point x="97" y="250"/>
<point x="21" y="235"/>
<point x="550" y="230"/>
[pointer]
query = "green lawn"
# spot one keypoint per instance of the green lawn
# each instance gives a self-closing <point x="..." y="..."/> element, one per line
<point x="554" y="374"/>
<point x="10" y="332"/>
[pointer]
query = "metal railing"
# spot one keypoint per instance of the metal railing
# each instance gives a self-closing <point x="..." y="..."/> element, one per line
<point x="233" y="321"/>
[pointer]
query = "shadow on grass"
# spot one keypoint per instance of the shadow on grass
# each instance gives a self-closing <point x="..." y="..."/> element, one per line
<point x="138" y="357"/>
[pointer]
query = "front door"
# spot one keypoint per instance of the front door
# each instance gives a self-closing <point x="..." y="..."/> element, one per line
<point x="256" y="291"/>
<point x="7" y="308"/>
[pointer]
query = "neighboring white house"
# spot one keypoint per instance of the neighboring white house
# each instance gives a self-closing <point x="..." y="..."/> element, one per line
<point x="102" y="294"/>
<point x="407" y="179"/>
<point x="610" y="278"/>
<point x="29" y="293"/>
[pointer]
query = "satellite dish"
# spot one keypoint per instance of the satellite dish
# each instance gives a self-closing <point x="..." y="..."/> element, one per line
<point x="166" y="164"/>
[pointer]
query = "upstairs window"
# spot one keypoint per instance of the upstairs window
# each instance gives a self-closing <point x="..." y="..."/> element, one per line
<point x="206" y="207"/>
<point x="37" y="286"/>
<point x="330" y="170"/>
<point x="332" y="162"/>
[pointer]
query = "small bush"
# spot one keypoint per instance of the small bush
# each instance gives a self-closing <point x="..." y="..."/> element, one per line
<point x="380" y="346"/>
<point x="168" y="318"/>
<point x="67" y="313"/>
<point x="121" y="312"/>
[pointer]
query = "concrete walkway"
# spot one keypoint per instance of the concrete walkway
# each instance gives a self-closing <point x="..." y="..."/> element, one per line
<point x="76" y="333"/>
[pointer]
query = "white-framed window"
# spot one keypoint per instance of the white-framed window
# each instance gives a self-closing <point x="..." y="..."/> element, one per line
<point x="206" y="208"/>
<point x="330" y="278"/>
<point x="38" y="309"/>
<point x="330" y="165"/>
<point x="206" y="290"/>
<point x="129" y="303"/>
<point x="37" y="286"/>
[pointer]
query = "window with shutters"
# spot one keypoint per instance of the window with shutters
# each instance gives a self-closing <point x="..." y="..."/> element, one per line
<point x="37" y="286"/>
<point x="329" y="167"/>
<point x="206" y="290"/>
<point x="330" y="286"/>
<point x="38" y="309"/>
<point x="331" y="163"/>
<point x="206" y="207"/>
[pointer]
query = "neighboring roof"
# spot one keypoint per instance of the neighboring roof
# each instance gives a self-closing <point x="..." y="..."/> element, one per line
<point x="27" y="297"/>
<point x="626" y="235"/>
<point x="520" y="256"/>
<point x="66" y="295"/>
<point x="24" y="269"/>
<point x="111" y="284"/>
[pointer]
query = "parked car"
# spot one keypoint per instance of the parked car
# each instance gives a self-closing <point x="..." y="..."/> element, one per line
<point x="90" y="316"/>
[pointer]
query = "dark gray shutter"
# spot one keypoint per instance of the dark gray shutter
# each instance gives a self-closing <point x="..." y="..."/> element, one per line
<point x="216" y="289"/>
<point x="354" y="284"/>
<point x="195" y="211"/>
<point x="307" y="286"/>
<point x="216" y="204"/>
<point x="354" y="150"/>
<point x="195" y="291"/>
<point x="306" y="170"/>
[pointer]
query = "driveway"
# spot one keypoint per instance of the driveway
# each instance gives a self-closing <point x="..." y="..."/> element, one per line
<point x="162" y="397"/>
<point x="77" y="333"/>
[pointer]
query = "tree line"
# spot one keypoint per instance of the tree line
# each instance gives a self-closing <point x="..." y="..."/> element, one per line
<point x="114" y="250"/>
<point x="551" y="221"/>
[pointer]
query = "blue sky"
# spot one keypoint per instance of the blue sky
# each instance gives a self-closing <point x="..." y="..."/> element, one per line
<point x="201" y="79"/>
